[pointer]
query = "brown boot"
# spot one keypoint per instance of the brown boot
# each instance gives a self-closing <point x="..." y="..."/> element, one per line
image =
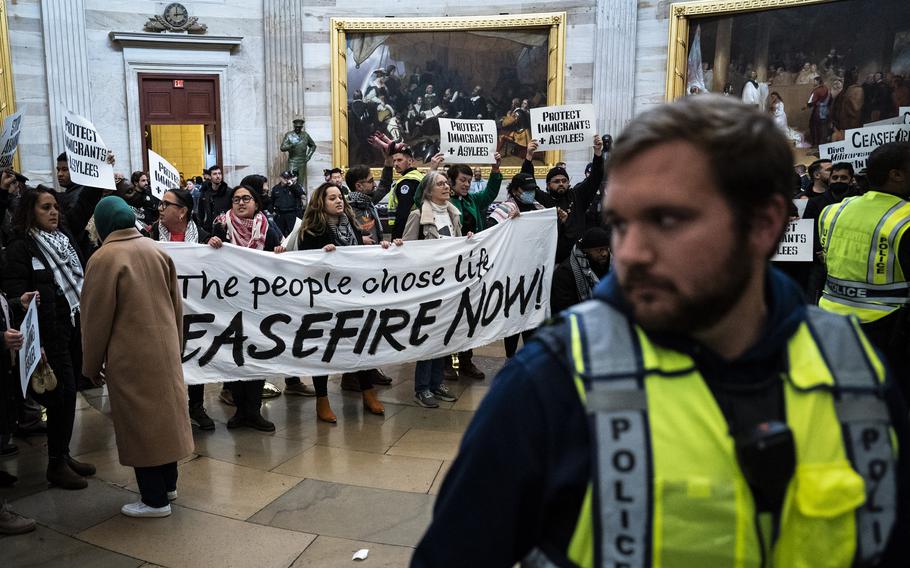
<point x="350" y="382"/>
<point x="60" y="474"/>
<point x="324" y="410"/>
<point x="371" y="403"/>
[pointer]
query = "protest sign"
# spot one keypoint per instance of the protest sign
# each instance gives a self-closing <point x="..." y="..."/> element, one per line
<point x="9" y="139"/>
<point x="800" y="206"/>
<point x="86" y="153"/>
<point x="30" y="354"/>
<point x="163" y="176"/>
<point x="467" y="141"/>
<point x="860" y="142"/>
<point x="563" y="127"/>
<point x="797" y="242"/>
<point x="318" y="313"/>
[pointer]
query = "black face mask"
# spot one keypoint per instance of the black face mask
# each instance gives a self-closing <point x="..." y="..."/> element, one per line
<point x="839" y="187"/>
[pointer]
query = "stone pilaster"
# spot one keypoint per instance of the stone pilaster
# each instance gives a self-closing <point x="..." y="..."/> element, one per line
<point x="66" y="60"/>
<point x="614" y="63"/>
<point x="284" y="85"/>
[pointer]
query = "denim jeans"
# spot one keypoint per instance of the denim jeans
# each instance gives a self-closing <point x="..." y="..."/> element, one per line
<point x="428" y="374"/>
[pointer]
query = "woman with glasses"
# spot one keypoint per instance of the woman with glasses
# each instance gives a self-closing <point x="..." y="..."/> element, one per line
<point x="175" y="225"/>
<point x="245" y="225"/>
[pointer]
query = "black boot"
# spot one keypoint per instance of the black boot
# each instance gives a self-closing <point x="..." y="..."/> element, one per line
<point x="83" y="469"/>
<point x="60" y="474"/>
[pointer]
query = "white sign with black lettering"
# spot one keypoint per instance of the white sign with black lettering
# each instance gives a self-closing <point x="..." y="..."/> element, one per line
<point x="563" y="127"/>
<point x="797" y="243"/>
<point x="86" y="153"/>
<point x="467" y="141"/>
<point x="800" y="206"/>
<point x="860" y="142"/>
<point x="30" y="354"/>
<point x="163" y="176"/>
<point x="9" y="139"/>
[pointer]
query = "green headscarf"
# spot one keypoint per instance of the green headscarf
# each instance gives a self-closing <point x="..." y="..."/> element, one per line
<point x="112" y="214"/>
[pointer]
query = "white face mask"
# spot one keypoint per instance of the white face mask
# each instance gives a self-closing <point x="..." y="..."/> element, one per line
<point x="527" y="197"/>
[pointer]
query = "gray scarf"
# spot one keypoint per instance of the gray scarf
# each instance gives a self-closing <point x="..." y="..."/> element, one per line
<point x="585" y="278"/>
<point x="343" y="232"/>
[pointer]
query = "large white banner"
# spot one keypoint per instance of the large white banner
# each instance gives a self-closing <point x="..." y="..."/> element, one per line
<point x="9" y="139"/>
<point x="86" y="153"/>
<point x="164" y="176"/>
<point x="467" y="141"/>
<point x="250" y="314"/>
<point x="563" y="127"/>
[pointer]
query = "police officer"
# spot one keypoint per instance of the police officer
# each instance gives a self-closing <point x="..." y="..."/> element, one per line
<point x="287" y="202"/>
<point x="402" y="192"/>
<point x="868" y="257"/>
<point x="695" y="412"/>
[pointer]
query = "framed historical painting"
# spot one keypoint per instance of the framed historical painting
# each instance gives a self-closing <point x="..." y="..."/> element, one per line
<point x="398" y="76"/>
<point x="819" y="67"/>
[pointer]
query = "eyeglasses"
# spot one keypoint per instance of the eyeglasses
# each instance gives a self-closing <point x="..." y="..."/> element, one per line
<point x="242" y="199"/>
<point x="165" y="204"/>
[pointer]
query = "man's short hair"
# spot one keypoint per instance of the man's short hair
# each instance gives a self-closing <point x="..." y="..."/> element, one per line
<point x="749" y="155"/>
<point x="843" y="166"/>
<point x="887" y="157"/>
<point x="331" y="171"/>
<point x="403" y="149"/>
<point x="456" y="169"/>
<point x="815" y="166"/>
<point x="213" y="168"/>
<point x="207" y="172"/>
<point x="356" y="173"/>
<point x="62" y="157"/>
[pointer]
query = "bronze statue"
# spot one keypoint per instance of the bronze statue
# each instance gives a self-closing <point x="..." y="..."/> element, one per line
<point x="300" y="148"/>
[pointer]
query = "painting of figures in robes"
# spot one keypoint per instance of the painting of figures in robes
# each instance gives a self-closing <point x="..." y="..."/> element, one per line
<point x="819" y="68"/>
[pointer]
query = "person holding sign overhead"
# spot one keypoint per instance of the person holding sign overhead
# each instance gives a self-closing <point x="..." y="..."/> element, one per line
<point x="245" y="225"/>
<point x="44" y="257"/>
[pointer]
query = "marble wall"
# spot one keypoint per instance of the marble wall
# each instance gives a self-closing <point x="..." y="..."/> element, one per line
<point x="244" y="92"/>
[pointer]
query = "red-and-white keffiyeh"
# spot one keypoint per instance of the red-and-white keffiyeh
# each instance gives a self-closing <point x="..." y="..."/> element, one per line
<point x="247" y="233"/>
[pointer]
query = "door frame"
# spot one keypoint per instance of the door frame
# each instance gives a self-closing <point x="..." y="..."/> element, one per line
<point x="144" y="122"/>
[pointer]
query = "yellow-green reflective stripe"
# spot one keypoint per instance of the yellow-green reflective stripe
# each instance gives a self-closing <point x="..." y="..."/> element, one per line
<point x="581" y="547"/>
<point x="578" y="358"/>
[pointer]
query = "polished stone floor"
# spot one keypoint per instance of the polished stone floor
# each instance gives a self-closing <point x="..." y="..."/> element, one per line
<point x="311" y="494"/>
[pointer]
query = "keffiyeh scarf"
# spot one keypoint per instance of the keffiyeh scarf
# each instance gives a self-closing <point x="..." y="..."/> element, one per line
<point x="342" y="233"/>
<point x="585" y="278"/>
<point x="65" y="264"/>
<point x="246" y="233"/>
<point x="191" y="235"/>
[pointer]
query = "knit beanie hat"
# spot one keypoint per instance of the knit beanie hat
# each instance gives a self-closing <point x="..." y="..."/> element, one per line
<point x="595" y="237"/>
<point x="556" y="172"/>
<point x="112" y="214"/>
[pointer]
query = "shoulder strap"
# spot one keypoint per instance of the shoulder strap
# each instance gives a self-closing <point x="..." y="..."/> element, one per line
<point x="866" y="423"/>
<point x="605" y="357"/>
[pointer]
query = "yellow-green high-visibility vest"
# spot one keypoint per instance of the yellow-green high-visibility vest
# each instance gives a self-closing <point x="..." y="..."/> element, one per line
<point x="393" y="197"/>
<point x="860" y="237"/>
<point x="668" y="490"/>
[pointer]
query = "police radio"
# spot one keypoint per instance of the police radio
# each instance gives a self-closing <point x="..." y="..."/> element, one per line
<point x="767" y="458"/>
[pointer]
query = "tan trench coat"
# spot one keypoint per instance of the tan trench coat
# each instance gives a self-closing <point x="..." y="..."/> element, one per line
<point x="132" y="324"/>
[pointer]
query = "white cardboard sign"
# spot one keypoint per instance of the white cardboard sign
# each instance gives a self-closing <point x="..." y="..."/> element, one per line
<point x="86" y="153"/>
<point x="30" y="354"/>
<point x="563" y="127"/>
<point x="9" y="139"/>
<point x="467" y="141"/>
<point x="162" y="175"/>
<point x="860" y="142"/>
<point x="801" y="206"/>
<point x="797" y="242"/>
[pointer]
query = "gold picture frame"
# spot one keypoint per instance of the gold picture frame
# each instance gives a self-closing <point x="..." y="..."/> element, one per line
<point x="7" y="91"/>
<point x="554" y="22"/>
<point x="682" y="12"/>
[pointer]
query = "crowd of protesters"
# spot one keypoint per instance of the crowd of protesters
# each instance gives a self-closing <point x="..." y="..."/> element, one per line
<point x="48" y="236"/>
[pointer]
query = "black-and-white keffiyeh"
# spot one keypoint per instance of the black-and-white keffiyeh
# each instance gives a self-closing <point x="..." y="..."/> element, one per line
<point x="68" y="273"/>
<point x="191" y="235"/>
<point x="585" y="278"/>
<point x="343" y="232"/>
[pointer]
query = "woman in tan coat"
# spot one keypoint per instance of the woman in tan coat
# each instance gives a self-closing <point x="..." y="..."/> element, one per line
<point x="132" y="322"/>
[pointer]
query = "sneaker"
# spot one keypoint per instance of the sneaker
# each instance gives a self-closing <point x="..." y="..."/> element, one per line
<point x="443" y="393"/>
<point x="426" y="399"/>
<point x="299" y="389"/>
<point x="470" y="371"/>
<point x="14" y="523"/>
<point x="270" y="391"/>
<point x="199" y="418"/>
<point x="172" y="495"/>
<point x="140" y="509"/>
<point x="259" y="423"/>
<point x="227" y="397"/>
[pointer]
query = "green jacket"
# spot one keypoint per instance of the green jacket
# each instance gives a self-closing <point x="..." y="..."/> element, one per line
<point x="476" y="203"/>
